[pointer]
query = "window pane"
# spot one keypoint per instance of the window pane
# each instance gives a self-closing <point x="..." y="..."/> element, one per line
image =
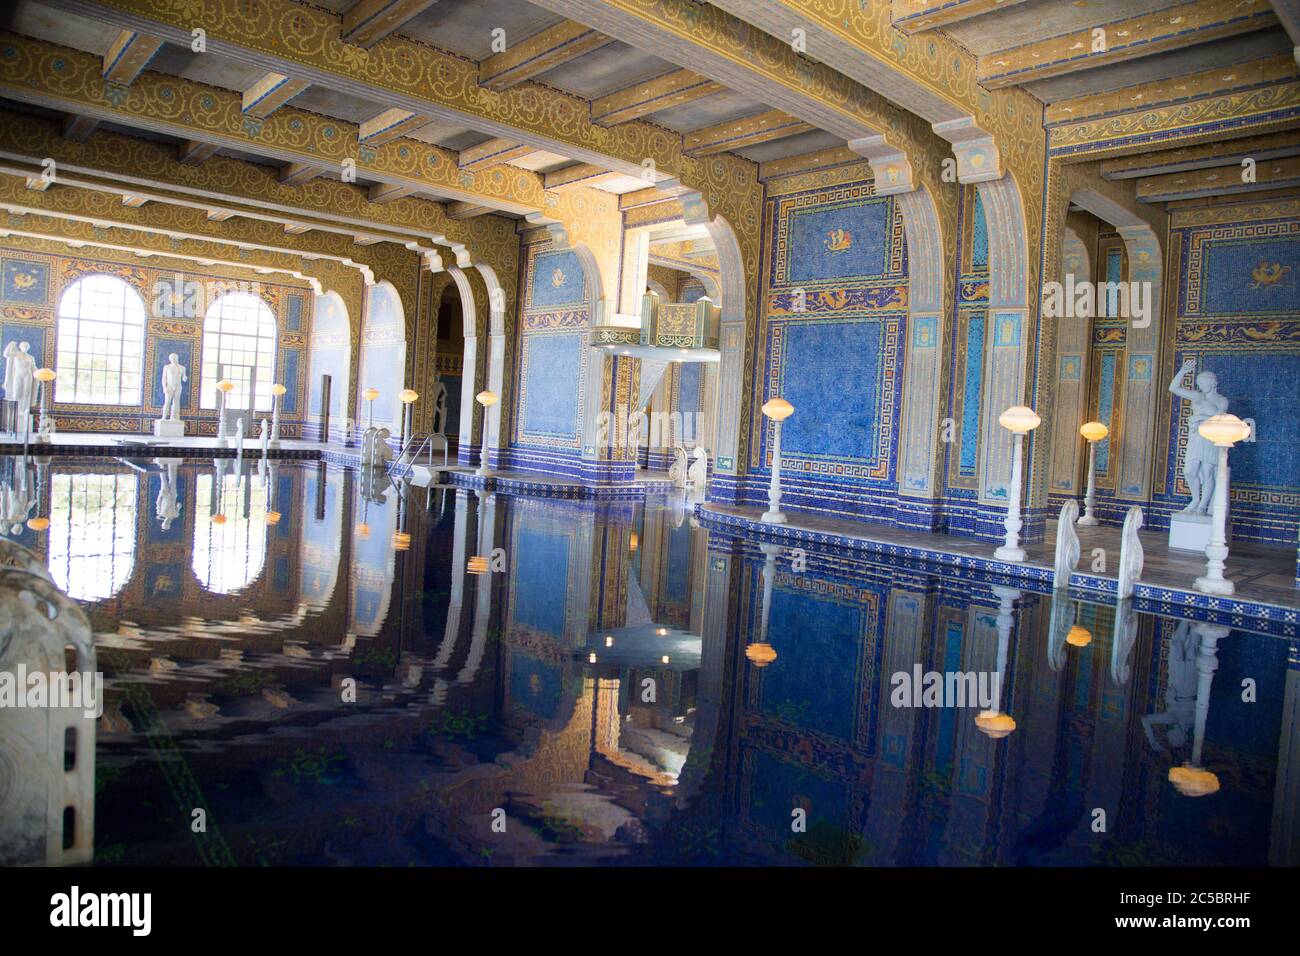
<point x="100" y="336"/>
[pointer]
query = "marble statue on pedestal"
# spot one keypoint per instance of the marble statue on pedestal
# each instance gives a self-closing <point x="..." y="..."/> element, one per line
<point x="169" y="424"/>
<point x="19" y="384"/>
<point x="677" y="471"/>
<point x="1189" y="529"/>
<point x="439" y="425"/>
<point x="1202" y="457"/>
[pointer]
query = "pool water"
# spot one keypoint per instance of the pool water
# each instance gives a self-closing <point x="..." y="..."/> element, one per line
<point x="310" y="665"/>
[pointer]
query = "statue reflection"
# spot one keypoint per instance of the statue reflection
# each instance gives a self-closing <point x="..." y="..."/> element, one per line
<point x="1192" y="662"/>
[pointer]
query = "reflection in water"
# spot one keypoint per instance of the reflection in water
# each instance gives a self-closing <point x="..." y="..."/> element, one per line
<point x="608" y="682"/>
<point x="92" y="533"/>
<point x="229" y="527"/>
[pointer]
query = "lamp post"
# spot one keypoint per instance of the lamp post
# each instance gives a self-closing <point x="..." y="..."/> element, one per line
<point x="487" y="399"/>
<point x="1019" y="420"/>
<point x="408" y="397"/>
<point x="46" y="427"/>
<point x="1093" y="432"/>
<point x="370" y="395"/>
<point x="1224" y="431"/>
<point x="223" y="389"/>
<point x="777" y="409"/>
<point x="277" y="390"/>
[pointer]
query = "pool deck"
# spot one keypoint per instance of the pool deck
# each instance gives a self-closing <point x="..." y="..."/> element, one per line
<point x="1264" y="575"/>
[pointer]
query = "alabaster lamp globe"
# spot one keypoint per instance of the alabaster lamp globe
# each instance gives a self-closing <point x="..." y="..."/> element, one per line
<point x="1019" y="419"/>
<point x="760" y="654"/>
<point x="370" y="394"/>
<point x="1094" y="431"/>
<point x="778" y="409"/>
<point x="44" y="375"/>
<point x="277" y="390"/>
<point x="487" y="398"/>
<point x="226" y="385"/>
<point x="1224" y="430"/>
<point x="401" y="541"/>
<point x="408" y="395"/>
<point x="39" y="523"/>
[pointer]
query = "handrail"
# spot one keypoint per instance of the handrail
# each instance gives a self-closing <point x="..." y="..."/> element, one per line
<point x="430" y="441"/>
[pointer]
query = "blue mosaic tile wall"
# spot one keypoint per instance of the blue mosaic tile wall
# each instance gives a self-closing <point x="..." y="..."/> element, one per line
<point x="835" y="298"/>
<point x="1238" y="316"/>
<point x="32" y="284"/>
<point x="552" y="352"/>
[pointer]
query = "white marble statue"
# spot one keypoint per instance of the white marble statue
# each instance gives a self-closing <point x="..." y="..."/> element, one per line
<point x="20" y="382"/>
<point x="439" y="426"/>
<point x="173" y="377"/>
<point x="1131" y="556"/>
<point x="1202" y="460"/>
<point x="699" y="472"/>
<point x="168" y="503"/>
<point x="1067" y="545"/>
<point x="677" y="471"/>
<point x="10" y="418"/>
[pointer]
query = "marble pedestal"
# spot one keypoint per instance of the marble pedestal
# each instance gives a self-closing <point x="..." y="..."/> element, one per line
<point x="166" y="428"/>
<point x="1190" y="532"/>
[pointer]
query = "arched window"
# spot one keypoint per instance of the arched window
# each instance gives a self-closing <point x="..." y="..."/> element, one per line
<point x="239" y="344"/>
<point x="100" y="343"/>
<point x="92" y="533"/>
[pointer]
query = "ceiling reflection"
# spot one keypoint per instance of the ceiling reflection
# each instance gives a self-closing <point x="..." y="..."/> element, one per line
<point x="341" y="668"/>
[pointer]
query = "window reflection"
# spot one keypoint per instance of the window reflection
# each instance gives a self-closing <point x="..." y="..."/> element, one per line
<point x="229" y="530"/>
<point x="92" y="533"/>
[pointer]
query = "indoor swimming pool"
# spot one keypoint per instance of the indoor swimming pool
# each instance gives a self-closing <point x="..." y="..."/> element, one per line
<point x="338" y="668"/>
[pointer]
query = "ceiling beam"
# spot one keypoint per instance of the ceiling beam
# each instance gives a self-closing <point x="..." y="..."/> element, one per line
<point x="576" y="176"/>
<point x="465" y="210"/>
<point x="387" y="192"/>
<point x="807" y="162"/>
<point x="369" y="21"/>
<point x="134" y="202"/>
<point x="225" y="187"/>
<point x="269" y="93"/>
<point x="288" y="136"/>
<point x="293" y="174"/>
<point x="494" y="152"/>
<point x="397" y="72"/>
<point x="641" y="99"/>
<point x="543" y="51"/>
<point x="1221" y="181"/>
<point x="1173" y="28"/>
<point x="128" y="55"/>
<point x="1178" y="89"/>
<point x="78" y="128"/>
<point x="1187" y="158"/>
<point x="915" y="16"/>
<point x="193" y="153"/>
<point x="750" y="131"/>
<point x="392" y="124"/>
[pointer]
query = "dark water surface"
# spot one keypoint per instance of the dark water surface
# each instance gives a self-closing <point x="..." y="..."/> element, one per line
<point x="538" y="681"/>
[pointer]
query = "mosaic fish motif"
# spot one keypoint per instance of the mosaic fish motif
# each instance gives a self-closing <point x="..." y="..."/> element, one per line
<point x="1268" y="274"/>
<point x="838" y="240"/>
<point x="557" y="278"/>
